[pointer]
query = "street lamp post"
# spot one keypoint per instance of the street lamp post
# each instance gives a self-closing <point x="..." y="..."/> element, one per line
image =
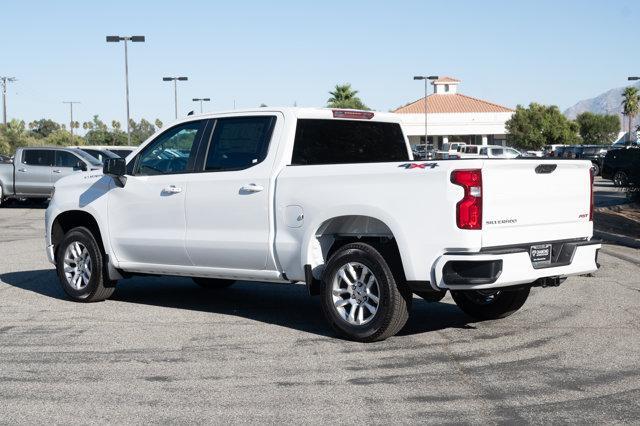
<point x="426" y="79"/>
<point x="71" y="111"/>
<point x="175" y="89"/>
<point x="116" y="39"/>
<point x="201" y="100"/>
<point x="5" y="80"/>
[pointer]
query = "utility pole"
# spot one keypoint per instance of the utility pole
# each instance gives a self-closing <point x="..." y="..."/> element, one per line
<point x="5" y="80"/>
<point x="71" y="111"/>
<point x="116" y="39"/>
<point x="175" y="89"/>
<point x="201" y="100"/>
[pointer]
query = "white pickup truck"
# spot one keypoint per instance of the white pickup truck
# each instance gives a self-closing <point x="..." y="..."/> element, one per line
<point x="330" y="198"/>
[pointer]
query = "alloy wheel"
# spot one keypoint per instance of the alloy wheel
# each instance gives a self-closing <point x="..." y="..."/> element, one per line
<point x="355" y="293"/>
<point x="77" y="265"/>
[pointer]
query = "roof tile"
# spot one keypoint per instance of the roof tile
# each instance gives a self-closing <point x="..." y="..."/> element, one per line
<point x="451" y="103"/>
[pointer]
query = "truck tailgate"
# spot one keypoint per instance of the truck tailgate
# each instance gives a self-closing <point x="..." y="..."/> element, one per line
<point x="526" y="201"/>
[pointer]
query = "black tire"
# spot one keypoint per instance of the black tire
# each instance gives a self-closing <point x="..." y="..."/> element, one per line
<point x="596" y="169"/>
<point x="99" y="286"/>
<point x="488" y="305"/>
<point x="620" y="179"/>
<point x="431" y="296"/>
<point x="394" y="297"/>
<point x="212" y="283"/>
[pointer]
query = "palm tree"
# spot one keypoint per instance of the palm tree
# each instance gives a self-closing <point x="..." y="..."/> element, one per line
<point x="343" y="96"/>
<point x="630" y="105"/>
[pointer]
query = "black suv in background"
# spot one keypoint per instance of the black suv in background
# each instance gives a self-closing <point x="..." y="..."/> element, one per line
<point x="595" y="153"/>
<point x="622" y="166"/>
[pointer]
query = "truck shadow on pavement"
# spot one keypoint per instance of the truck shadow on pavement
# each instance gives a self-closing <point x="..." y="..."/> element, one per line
<point x="285" y="305"/>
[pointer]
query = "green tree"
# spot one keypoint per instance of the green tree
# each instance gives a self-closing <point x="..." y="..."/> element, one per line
<point x="540" y="125"/>
<point x="14" y="135"/>
<point x="141" y="131"/>
<point x="62" y="138"/>
<point x="598" y="129"/>
<point x="43" y="127"/>
<point x="630" y="106"/>
<point x="115" y="125"/>
<point x="158" y="123"/>
<point x="343" y="96"/>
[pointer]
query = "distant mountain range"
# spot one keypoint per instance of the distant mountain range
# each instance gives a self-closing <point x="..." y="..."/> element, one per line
<point x="608" y="102"/>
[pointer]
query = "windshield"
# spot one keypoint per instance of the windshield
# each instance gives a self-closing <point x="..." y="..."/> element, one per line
<point x="88" y="158"/>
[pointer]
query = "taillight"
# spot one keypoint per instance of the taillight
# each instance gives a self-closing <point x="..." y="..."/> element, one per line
<point x="469" y="209"/>
<point x="591" y="199"/>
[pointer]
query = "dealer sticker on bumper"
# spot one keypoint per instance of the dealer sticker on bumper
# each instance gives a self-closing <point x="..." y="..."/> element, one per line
<point x="540" y="254"/>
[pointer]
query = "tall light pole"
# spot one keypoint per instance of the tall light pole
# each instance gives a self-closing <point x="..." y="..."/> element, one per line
<point x="116" y="39"/>
<point x="5" y="80"/>
<point x="71" y="111"/>
<point x="175" y="89"/>
<point x="201" y="100"/>
<point x="426" y="79"/>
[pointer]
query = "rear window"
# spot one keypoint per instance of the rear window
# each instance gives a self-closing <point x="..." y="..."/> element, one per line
<point x="346" y="141"/>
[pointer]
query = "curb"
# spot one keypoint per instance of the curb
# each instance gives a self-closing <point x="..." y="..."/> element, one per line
<point x="617" y="239"/>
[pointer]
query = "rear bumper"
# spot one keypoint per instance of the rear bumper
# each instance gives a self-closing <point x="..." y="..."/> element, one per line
<point x="494" y="269"/>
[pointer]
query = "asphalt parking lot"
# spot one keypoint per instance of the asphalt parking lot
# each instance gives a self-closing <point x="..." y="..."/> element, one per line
<point x="162" y="350"/>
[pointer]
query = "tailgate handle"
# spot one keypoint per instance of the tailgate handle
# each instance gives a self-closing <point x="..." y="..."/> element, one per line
<point x="546" y="168"/>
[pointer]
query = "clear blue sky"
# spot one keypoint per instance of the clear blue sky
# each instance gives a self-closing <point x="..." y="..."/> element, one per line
<point x="281" y="52"/>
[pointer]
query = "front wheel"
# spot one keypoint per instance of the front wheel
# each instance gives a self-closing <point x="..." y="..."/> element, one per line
<point x="361" y="297"/>
<point x="596" y="169"/>
<point x="81" y="269"/>
<point x="490" y="304"/>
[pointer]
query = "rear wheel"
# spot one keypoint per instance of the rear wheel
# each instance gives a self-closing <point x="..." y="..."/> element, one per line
<point x="620" y="178"/>
<point x="596" y="169"/>
<point x="212" y="283"/>
<point x="81" y="269"/>
<point x="361" y="298"/>
<point x="490" y="304"/>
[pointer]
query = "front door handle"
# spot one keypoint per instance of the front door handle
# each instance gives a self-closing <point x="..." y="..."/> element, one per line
<point x="252" y="187"/>
<point x="57" y="171"/>
<point x="172" y="189"/>
<point x="22" y="170"/>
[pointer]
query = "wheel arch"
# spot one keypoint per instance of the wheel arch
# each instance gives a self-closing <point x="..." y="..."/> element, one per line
<point x="333" y="232"/>
<point x="70" y="219"/>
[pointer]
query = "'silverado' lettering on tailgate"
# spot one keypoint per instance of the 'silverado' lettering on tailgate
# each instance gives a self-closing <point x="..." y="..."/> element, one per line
<point x="408" y="166"/>
<point x="501" y="221"/>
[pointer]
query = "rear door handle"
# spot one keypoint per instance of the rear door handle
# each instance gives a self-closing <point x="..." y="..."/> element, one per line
<point x="171" y="189"/>
<point x="57" y="171"/>
<point x="252" y="187"/>
<point x="22" y="170"/>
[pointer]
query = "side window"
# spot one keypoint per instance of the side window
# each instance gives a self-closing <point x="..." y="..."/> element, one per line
<point x="66" y="159"/>
<point x="239" y="143"/>
<point x="38" y="157"/>
<point x="483" y="151"/>
<point x="171" y="152"/>
<point x="497" y="151"/>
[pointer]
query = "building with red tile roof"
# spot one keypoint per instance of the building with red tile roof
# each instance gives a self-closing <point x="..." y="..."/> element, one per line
<point x="454" y="117"/>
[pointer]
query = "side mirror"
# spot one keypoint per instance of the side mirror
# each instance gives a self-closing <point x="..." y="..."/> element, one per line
<point x="114" y="167"/>
<point x="82" y="166"/>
